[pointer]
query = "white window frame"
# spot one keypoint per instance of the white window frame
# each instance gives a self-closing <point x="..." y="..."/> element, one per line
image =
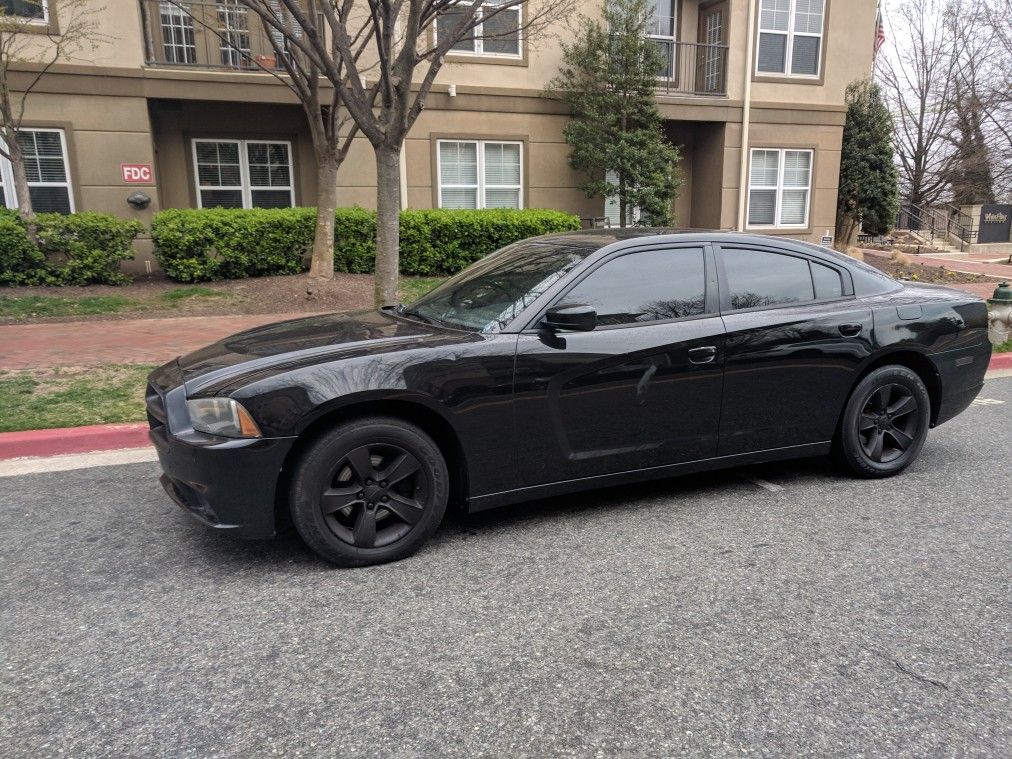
<point x="37" y="21"/>
<point x="245" y="187"/>
<point x="789" y="47"/>
<point x="7" y="173"/>
<point x="478" y="43"/>
<point x="779" y="188"/>
<point x="482" y="186"/>
<point x="670" y="39"/>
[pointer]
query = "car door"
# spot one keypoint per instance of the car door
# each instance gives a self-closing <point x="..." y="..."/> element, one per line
<point x="795" y="340"/>
<point x="643" y="388"/>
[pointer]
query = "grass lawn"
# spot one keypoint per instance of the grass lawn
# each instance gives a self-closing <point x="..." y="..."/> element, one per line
<point x="71" y="397"/>
<point x="1005" y="347"/>
<point x="413" y="288"/>
<point x="56" y="305"/>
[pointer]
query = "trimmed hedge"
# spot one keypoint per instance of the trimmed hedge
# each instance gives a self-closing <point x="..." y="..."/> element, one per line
<point x="201" y="244"/>
<point x="69" y="249"/>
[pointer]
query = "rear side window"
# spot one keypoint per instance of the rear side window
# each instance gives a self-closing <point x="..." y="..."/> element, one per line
<point x="647" y="286"/>
<point x="758" y="278"/>
<point x="827" y="281"/>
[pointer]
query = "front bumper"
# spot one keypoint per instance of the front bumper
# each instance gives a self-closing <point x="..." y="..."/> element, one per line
<point x="226" y="484"/>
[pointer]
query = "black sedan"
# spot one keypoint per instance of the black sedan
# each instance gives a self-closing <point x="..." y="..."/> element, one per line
<point x="559" y="364"/>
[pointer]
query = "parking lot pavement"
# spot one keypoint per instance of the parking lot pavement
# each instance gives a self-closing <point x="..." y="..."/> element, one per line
<point x="775" y="611"/>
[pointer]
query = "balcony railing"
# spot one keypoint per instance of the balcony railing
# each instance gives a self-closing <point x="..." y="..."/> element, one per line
<point x="692" y="68"/>
<point x="218" y="35"/>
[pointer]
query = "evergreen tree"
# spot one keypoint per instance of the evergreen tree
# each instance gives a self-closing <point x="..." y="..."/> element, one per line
<point x="609" y="79"/>
<point x="868" y="181"/>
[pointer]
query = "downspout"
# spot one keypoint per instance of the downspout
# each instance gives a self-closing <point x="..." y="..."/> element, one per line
<point x="746" y="116"/>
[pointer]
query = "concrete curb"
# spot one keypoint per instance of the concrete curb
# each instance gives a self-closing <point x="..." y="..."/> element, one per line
<point x="112" y="437"/>
<point x="98" y="437"/>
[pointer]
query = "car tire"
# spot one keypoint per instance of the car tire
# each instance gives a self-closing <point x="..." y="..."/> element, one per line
<point x="885" y="423"/>
<point x="369" y="491"/>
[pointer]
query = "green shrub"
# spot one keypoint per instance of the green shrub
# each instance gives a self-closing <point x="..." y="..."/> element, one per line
<point x="69" y="249"/>
<point x="201" y="244"/>
<point x="193" y="245"/>
<point x="441" y="242"/>
<point x="21" y="261"/>
<point x="86" y="248"/>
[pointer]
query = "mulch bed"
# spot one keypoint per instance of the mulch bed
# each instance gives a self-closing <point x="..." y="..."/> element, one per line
<point x="921" y="273"/>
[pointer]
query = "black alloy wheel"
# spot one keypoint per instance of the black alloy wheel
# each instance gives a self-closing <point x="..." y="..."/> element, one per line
<point x="888" y="423"/>
<point x="369" y="491"/>
<point x="376" y="495"/>
<point x="885" y="422"/>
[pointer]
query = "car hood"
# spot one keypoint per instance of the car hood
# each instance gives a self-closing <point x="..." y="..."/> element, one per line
<point x="308" y="340"/>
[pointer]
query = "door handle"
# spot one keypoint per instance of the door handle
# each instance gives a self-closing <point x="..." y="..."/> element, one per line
<point x="850" y="330"/>
<point x="702" y="355"/>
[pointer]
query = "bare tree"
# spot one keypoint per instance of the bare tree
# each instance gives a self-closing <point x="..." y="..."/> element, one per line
<point x="30" y="47"/>
<point x="331" y="128"/>
<point x="917" y="81"/>
<point x="381" y="58"/>
<point x="995" y="19"/>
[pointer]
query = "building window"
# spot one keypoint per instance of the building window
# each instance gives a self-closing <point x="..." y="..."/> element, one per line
<point x="613" y="206"/>
<point x="177" y="34"/>
<point x="790" y="37"/>
<point x="662" y="30"/>
<point x="495" y="35"/>
<point x="33" y="11"/>
<point x="243" y="174"/>
<point x="46" y="164"/>
<point x="779" y="188"/>
<point x="234" y="35"/>
<point x="479" y="174"/>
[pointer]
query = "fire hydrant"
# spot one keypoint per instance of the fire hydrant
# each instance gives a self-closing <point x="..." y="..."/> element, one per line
<point x="999" y="318"/>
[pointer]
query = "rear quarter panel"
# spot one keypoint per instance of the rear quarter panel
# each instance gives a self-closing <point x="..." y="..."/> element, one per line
<point x="948" y="327"/>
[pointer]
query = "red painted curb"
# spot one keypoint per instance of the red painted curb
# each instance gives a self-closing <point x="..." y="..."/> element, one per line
<point x="98" y="437"/>
<point x="1000" y="361"/>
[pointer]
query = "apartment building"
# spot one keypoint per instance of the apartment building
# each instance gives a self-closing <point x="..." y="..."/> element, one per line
<point x="753" y="92"/>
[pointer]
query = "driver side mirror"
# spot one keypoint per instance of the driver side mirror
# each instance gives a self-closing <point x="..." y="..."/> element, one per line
<point x="576" y="317"/>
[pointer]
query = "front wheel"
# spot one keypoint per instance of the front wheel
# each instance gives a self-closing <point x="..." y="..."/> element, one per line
<point x="369" y="491"/>
<point x="885" y="423"/>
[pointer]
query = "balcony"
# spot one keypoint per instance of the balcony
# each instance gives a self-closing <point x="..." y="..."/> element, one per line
<point x="693" y="68"/>
<point x="206" y="35"/>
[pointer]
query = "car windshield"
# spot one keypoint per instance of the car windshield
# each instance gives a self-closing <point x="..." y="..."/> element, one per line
<point x="489" y="294"/>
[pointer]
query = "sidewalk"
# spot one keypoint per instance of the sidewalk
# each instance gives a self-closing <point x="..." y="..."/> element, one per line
<point x="131" y="341"/>
<point x="957" y="263"/>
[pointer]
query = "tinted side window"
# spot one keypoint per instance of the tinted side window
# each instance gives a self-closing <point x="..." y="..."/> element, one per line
<point x="644" y="287"/>
<point x="827" y="281"/>
<point x="756" y="278"/>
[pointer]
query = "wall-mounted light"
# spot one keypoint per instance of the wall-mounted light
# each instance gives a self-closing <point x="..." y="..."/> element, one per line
<point x="138" y="200"/>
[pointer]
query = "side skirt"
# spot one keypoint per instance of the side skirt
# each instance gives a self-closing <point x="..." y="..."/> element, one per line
<point x="493" y="500"/>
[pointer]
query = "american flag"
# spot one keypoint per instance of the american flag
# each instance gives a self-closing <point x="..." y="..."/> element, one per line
<point x="880" y="32"/>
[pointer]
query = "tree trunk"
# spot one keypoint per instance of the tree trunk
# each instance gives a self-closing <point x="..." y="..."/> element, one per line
<point x="388" y="208"/>
<point x="322" y="265"/>
<point x="20" y="180"/>
<point x="846" y="231"/>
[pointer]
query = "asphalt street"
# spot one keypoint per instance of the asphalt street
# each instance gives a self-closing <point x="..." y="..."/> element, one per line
<point x="773" y="611"/>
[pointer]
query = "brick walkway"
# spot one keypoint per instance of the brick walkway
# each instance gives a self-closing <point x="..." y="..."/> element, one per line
<point x="133" y="341"/>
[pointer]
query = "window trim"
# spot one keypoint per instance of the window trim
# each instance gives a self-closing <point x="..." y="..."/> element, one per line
<point x="671" y="40"/>
<point x="245" y="186"/>
<point x="481" y="187"/>
<point x="711" y="304"/>
<point x="46" y="20"/>
<point x="7" y="172"/>
<point x="478" y="43"/>
<point x="846" y="278"/>
<point x="779" y="188"/>
<point x="786" y="74"/>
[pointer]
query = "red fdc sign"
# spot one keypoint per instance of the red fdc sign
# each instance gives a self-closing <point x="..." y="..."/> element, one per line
<point x="136" y="173"/>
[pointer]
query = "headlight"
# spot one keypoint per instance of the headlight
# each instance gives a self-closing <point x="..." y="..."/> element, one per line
<point x="221" y="416"/>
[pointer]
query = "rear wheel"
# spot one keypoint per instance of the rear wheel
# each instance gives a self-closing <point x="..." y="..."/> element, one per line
<point x="885" y="423"/>
<point x="370" y="491"/>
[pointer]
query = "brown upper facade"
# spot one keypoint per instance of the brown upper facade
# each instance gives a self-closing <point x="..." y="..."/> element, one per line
<point x="753" y="92"/>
